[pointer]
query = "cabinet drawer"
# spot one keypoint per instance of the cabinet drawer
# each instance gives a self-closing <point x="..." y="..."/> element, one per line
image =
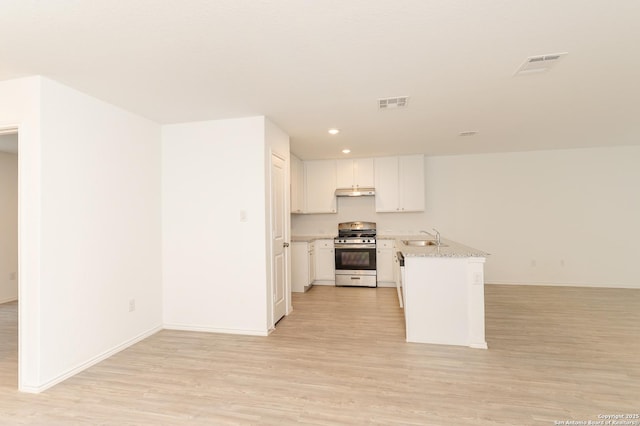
<point x="324" y="244"/>
<point x="385" y="243"/>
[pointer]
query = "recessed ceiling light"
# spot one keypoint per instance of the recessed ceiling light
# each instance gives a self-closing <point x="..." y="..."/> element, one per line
<point x="346" y="151"/>
<point x="334" y="131"/>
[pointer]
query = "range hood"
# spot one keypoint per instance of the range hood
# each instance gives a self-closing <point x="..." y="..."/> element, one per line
<point x="355" y="192"/>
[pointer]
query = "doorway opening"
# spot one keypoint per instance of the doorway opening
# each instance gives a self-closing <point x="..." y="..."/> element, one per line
<point x="9" y="257"/>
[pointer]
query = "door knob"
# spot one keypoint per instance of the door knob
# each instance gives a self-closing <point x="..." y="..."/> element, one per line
<point x="285" y="244"/>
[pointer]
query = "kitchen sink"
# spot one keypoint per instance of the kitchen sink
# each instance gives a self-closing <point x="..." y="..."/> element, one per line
<point x="422" y="243"/>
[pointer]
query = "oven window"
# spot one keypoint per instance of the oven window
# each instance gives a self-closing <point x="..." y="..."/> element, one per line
<point x="355" y="258"/>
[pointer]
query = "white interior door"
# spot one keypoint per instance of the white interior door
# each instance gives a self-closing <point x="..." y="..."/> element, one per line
<point x="278" y="235"/>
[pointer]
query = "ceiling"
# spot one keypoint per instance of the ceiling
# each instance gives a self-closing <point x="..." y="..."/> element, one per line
<point x="313" y="65"/>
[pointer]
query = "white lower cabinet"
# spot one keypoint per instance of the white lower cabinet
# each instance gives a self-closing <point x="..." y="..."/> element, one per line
<point x="325" y="262"/>
<point x="385" y="263"/>
<point x="303" y="267"/>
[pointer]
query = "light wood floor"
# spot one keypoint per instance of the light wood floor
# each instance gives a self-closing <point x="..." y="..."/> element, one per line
<point x="340" y="358"/>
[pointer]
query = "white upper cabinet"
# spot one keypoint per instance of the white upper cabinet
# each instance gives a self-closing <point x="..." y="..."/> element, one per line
<point x="387" y="183"/>
<point x="411" y="183"/>
<point x="399" y="183"/>
<point x="320" y="186"/>
<point x="297" y="185"/>
<point x="356" y="173"/>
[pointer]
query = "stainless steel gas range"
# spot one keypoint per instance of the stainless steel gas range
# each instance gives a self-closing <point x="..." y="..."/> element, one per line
<point x="355" y="250"/>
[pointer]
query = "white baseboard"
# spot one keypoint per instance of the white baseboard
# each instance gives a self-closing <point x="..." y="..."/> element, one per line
<point x="10" y="299"/>
<point x="93" y="361"/>
<point x="324" y="282"/>
<point x="206" y="329"/>
<point x="479" y="345"/>
<point x="554" y="284"/>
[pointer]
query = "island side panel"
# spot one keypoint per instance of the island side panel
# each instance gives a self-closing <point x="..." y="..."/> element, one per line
<point x="475" y="283"/>
<point x="436" y="304"/>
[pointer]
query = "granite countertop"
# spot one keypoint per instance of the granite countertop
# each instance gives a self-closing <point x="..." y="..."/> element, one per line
<point x="448" y="249"/>
<point x="310" y="238"/>
<point x="452" y="249"/>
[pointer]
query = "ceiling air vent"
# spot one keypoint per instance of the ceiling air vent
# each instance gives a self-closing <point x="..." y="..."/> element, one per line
<point x="393" y="103"/>
<point x="540" y="63"/>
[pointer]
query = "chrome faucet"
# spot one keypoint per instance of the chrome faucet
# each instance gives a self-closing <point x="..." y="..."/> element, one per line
<point x="437" y="235"/>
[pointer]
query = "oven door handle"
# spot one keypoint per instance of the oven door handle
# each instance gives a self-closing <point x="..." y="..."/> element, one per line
<point x="354" y="246"/>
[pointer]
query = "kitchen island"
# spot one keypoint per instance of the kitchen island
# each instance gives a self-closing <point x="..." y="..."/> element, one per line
<point x="443" y="292"/>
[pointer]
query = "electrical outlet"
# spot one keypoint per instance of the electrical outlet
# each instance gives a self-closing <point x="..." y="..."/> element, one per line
<point x="132" y="305"/>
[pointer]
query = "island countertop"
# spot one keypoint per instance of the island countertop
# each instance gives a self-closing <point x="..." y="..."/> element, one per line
<point x="448" y="248"/>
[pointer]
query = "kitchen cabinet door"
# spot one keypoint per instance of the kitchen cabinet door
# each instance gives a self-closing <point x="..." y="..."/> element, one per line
<point x="325" y="262"/>
<point x="297" y="185"/>
<point x="357" y="173"/>
<point x="399" y="183"/>
<point x="300" y="278"/>
<point x="363" y="171"/>
<point x="387" y="198"/>
<point x="411" y="179"/>
<point x="312" y="263"/>
<point x="320" y="186"/>
<point x="385" y="263"/>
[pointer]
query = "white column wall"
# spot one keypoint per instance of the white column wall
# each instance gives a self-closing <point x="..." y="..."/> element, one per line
<point x="214" y="263"/>
<point x="100" y="236"/>
<point x="8" y="227"/>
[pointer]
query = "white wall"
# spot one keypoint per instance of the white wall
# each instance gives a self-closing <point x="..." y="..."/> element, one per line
<point x="89" y="228"/>
<point x="571" y="213"/>
<point x="214" y="264"/>
<point x="101" y="225"/>
<point x="8" y="227"/>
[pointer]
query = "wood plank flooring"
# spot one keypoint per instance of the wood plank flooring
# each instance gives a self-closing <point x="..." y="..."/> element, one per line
<point x="555" y="354"/>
